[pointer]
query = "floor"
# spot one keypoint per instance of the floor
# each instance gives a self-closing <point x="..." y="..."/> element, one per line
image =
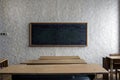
<point x="5" y="77"/>
<point x="8" y="77"/>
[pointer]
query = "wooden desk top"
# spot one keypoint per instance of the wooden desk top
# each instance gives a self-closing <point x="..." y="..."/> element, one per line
<point x="58" y="57"/>
<point x="2" y="60"/>
<point x="113" y="57"/>
<point x="54" y="69"/>
<point x="38" y="62"/>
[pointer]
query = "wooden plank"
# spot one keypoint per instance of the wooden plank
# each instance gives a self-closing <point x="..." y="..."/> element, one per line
<point x="58" y="57"/>
<point x="54" y="69"/>
<point x="113" y="57"/>
<point x="41" y="62"/>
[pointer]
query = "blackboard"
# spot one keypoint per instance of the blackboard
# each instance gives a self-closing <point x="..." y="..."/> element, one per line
<point x="58" y="34"/>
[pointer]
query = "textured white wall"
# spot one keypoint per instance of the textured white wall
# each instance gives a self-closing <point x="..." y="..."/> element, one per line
<point x="101" y="16"/>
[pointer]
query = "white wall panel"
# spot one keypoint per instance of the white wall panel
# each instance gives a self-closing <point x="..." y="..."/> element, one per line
<point x="101" y="16"/>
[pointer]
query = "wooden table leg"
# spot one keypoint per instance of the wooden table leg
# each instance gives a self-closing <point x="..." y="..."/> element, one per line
<point x="111" y="69"/>
<point x="95" y="77"/>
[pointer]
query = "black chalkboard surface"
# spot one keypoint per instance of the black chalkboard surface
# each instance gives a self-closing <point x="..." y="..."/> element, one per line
<point x="58" y="34"/>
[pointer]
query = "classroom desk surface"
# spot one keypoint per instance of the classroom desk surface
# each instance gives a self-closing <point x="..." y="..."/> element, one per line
<point x="2" y="60"/>
<point x="38" y="62"/>
<point x="54" y="69"/>
<point x="113" y="57"/>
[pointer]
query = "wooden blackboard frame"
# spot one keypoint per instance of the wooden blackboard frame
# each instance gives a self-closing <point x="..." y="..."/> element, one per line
<point x="30" y="35"/>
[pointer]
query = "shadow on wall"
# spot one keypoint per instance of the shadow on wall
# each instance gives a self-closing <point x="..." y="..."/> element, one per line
<point x="119" y="22"/>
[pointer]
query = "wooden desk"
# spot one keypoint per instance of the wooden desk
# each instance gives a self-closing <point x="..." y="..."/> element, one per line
<point x="58" y="57"/>
<point x="46" y="62"/>
<point x="54" y="69"/>
<point x="70" y="69"/>
<point x="74" y="69"/>
<point x="3" y="63"/>
<point x="112" y="58"/>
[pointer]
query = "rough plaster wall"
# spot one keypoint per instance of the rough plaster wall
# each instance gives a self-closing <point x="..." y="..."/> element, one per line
<point x="101" y="16"/>
<point x="2" y="29"/>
